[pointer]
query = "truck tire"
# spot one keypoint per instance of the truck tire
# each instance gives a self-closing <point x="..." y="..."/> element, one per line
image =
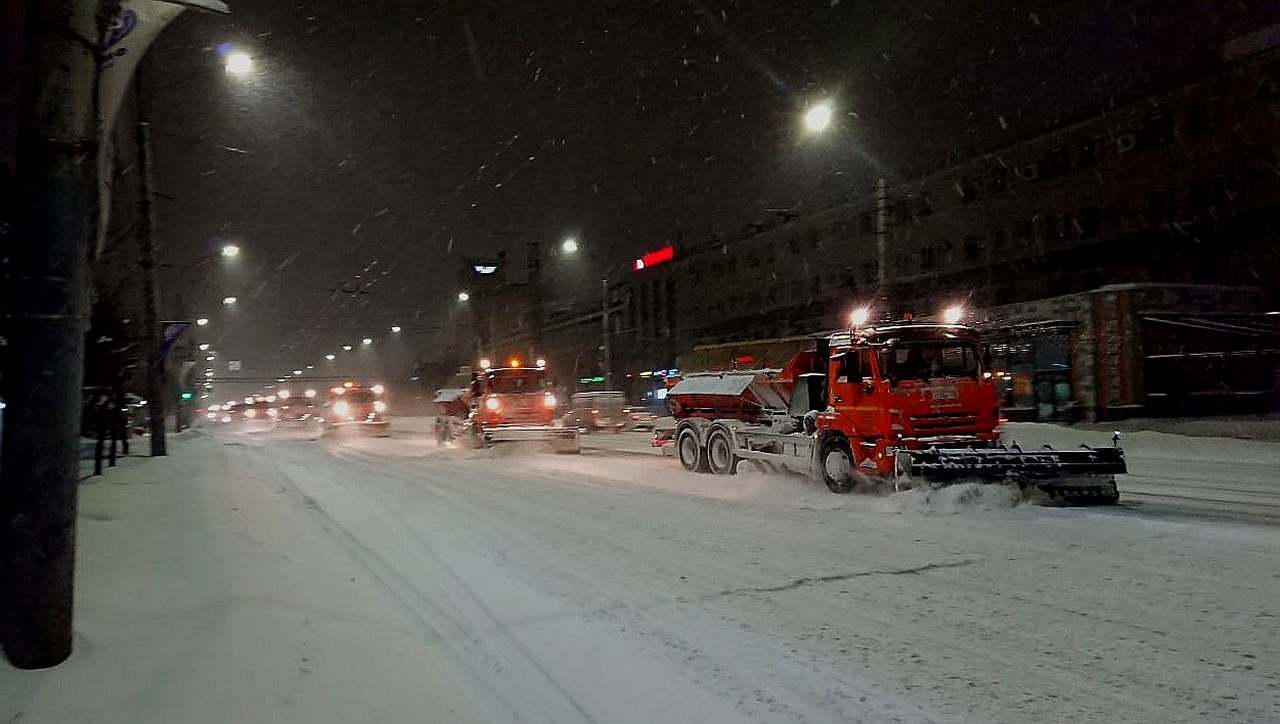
<point x="835" y="464"/>
<point x="690" y="452"/>
<point x="720" y="457"/>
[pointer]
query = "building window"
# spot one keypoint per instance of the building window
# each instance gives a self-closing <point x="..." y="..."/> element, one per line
<point x="928" y="258"/>
<point x="1199" y="119"/>
<point x="975" y="248"/>
<point x="1089" y="151"/>
<point x="968" y="189"/>
<point x="1090" y="218"/>
<point x="1022" y="233"/>
<point x="865" y="225"/>
<point x="999" y="179"/>
<point x="1055" y="162"/>
<point x="671" y="306"/>
<point x="1156" y="131"/>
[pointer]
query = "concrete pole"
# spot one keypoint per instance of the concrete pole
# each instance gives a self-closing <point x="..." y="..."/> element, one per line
<point x="882" y="234"/>
<point x="604" y="329"/>
<point x="155" y="377"/>
<point x="44" y="371"/>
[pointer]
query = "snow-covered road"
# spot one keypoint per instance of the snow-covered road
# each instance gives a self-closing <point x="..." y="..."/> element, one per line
<point x="613" y="586"/>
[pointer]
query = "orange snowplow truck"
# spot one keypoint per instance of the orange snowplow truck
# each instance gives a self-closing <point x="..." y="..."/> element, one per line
<point x="906" y="403"/>
<point x="516" y="404"/>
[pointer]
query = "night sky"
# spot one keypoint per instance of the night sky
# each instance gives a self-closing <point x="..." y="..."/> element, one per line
<point x="377" y="143"/>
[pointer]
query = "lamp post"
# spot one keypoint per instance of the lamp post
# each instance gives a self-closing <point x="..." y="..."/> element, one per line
<point x="817" y="119"/>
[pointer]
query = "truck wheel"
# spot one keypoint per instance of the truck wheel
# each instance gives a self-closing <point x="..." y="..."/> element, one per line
<point x="835" y="462"/>
<point x="720" y="457"/>
<point x="691" y="454"/>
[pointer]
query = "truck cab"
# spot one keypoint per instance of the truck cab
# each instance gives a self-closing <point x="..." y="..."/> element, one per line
<point x="513" y="396"/>
<point x="913" y="386"/>
<point x="516" y="404"/>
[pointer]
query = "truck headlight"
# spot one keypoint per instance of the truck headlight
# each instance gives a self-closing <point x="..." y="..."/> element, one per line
<point x="341" y="408"/>
<point x="492" y="404"/>
<point x="549" y="399"/>
<point x="379" y="406"/>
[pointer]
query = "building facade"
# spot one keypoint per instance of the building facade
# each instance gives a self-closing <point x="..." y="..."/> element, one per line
<point x="1181" y="190"/>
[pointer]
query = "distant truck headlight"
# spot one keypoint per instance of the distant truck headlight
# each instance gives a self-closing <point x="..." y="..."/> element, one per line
<point x="250" y="413"/>
<point x="549" y="399"/>
<point x="379" y="405"/>
<point x="492" y="404"/>
<point x="341" y="408"/>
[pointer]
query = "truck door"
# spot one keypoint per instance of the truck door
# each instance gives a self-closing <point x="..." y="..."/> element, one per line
<point x="852" y="390"/>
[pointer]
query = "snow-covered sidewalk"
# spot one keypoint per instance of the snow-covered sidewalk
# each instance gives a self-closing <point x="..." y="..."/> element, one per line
<point x="205" y="596"/>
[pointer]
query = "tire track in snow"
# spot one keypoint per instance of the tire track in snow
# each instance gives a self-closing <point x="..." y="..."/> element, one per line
<point x="428" y="615"/>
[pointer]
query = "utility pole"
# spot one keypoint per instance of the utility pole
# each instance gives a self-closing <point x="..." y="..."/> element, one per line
<point x="604" y="328"/>
<point x="44" y="368"/>
<point x="156" y="388"/>
<point x="882" y="234"/>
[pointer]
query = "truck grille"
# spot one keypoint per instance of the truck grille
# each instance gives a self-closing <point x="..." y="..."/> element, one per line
<point x="943" y="423"/>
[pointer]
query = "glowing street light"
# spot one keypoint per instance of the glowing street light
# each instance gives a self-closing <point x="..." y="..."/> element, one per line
<point x="297" y="373"/>
<point x="463" y="296"/>
<point x="569" y="246"/>
<point x="366" y="341"/>
<point x="228" y="301"/>
<point x="860" y="316"/>
<point x="818" y="117"/>
<point x="395" y="329"/>
<point x="202" y="322"/>
<point x="953" y="314"/>
<point x="230" y="251"/>
<point x="204" y="347"/>
<point x="331" y="356"/>
<point x="210" y="358"/>
<point x="346" y="348"/>
<point x="239" y="63"/>
<point x="309" y="393"/>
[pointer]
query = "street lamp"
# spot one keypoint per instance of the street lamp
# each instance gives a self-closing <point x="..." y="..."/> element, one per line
<point x="228" y="301"/>
<point x="366" y="341"/>
<point x="297" y="373"/>
<point x="463" y="296"/>
<point x="202" y="322"/>
<point x="239" y="63"/>
<point x="346" y="348"/>
<point x="230" y="251"/>
<point x="569" y="246"/>
<point x="395" y="329"/>
<point x="331" y="357"/>
<point x="204" y="347"/>
<point x="818" y="117"/>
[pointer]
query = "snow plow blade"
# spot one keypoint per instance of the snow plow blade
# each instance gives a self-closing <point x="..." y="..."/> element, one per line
<point x="1081" y="476"/>
<point x="561" y="439"/>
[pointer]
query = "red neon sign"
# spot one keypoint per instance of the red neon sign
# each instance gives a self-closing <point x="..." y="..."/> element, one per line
<point x="654" y="258"/>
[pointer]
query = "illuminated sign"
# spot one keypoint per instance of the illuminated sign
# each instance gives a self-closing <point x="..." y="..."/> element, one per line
<point x="654" y="258"/>
<point x="484" y="268"/>
<point x="589" y="380"/>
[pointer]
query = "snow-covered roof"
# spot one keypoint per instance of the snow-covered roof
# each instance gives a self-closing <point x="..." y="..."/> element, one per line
<point x="449" y="394"/>
<point x="713" y="384"/>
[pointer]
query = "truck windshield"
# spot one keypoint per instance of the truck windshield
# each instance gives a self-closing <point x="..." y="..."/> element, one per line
<point x="929" y="359"/>
<point x="511" y="382"/>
